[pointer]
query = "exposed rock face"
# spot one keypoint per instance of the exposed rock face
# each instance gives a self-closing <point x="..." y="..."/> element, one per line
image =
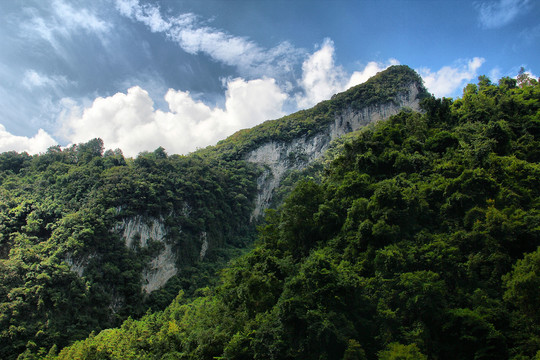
<point x="160" y="270"/>
<point x="278" y="157"/>
<point x="139" y="231"/>
<point x="204" y="245"/>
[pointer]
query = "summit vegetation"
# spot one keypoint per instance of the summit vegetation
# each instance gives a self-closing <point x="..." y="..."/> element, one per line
<point x="419" y="240"/>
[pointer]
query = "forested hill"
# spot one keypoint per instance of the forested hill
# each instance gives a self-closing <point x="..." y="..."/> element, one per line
<point x="420" y="239"/>
<point x="89" y="237"/>
<point x="420" y="242"/>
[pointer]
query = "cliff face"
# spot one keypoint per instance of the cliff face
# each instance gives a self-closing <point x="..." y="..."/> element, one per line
<point x="276" y="158"/>
<point x="279" y="157"/>
<point x="139" y="231"/>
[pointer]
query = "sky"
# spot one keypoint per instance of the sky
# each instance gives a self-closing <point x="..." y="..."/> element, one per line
<point x="185" y="74"/>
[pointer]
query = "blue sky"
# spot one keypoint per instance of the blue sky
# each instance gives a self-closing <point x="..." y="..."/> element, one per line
<point x="186" y="74"/>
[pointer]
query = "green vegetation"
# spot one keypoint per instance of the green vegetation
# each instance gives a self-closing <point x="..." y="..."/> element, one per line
<point x="65" y="271"/>
<point x="416" y="238"/>
<point x="57" y="210"/>
<point x="421" y="241"/>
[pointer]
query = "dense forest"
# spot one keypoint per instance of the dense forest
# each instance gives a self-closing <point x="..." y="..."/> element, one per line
<point x="57" y="211"/>
<point x="66" y="266"/>
<point x="419" y="240"/>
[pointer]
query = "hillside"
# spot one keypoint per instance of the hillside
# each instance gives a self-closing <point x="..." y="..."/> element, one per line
<point x="89" y="237"/>
<point x="421" y="241"/>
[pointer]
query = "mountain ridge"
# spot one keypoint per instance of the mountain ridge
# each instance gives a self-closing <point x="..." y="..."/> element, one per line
<point x="420" y="240"/>
<point x="134" y="232"/>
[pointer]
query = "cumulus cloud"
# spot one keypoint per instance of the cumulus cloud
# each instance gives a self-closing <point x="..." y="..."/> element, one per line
<point x="193" y="37"/>
<point x="500" y="13"/>
<point x="130" y="122"/>
<point x="447" y="80"/>
<point x="322" y="78"/>
<point x="36" y="144"/>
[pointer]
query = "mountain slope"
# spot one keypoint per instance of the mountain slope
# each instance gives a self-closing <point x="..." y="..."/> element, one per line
<point x="422" y="241"/>
<point x="88" y="238"/>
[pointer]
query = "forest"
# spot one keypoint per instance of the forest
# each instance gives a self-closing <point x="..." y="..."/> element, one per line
<point x="420" y="239"/>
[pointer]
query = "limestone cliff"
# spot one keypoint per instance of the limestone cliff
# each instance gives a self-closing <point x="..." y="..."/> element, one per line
<point x="138" y="231"/>
<point x="277" y="146"/>
<point x="278" y="157"/>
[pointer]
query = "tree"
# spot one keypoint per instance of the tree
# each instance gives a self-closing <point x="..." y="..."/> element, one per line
<point x="524" y="79"/>
<point x="396" y="351"/>
<point x="523" y="285"/>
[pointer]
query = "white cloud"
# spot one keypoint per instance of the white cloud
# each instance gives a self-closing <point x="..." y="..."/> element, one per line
<point x="147" y="14"/>
<point x="130" y="122"/>
<point x="70" y="18"/>
<point x="322" y="78"/>
<point x="39" y="143"/>
<point x="248" y="57"/>
<point x="449" y="79"/>
<point x="497" y="14"/>
<point x="495" y="74"/>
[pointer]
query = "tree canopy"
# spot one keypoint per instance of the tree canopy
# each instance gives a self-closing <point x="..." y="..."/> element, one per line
<point x="420" y="241"/>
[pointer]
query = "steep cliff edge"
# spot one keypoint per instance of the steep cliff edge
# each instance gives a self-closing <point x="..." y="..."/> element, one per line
<point x="279" y="146"/>
<point x="280" y="156"/>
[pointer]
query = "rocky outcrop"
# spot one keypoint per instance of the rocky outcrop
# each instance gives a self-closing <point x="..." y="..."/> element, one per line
<point x="138" y="231"/>
<point x="159" y="270"/>
<point x="279" y="157"/>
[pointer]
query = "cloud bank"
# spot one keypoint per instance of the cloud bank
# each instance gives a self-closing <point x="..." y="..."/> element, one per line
<point x="39" y="143"/>
<point x="130" y="122"/>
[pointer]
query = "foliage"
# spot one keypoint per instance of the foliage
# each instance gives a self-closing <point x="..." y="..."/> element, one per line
<point x="421" y="241"/>
<point x="64" y="272"/>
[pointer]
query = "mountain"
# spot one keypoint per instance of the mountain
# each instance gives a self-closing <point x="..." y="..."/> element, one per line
<point x="413" y="237"/>
<point x="88" y="238"/>
<point x="419" y="240"/>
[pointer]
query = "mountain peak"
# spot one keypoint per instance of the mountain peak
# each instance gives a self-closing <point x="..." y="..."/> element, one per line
<point x="398" y="86"/>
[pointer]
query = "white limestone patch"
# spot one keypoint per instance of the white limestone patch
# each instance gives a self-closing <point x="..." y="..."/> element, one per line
<point x="139" y="231"/>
